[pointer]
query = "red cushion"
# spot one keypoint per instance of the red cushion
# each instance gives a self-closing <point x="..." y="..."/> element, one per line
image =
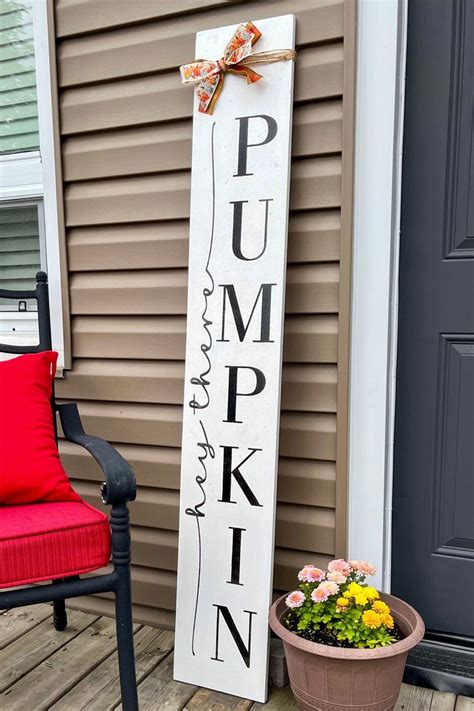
<point x="30" y="468"/>
<point x="51" y="540"/>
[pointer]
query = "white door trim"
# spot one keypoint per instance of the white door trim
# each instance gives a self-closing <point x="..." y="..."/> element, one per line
<point x="381" y="52"/>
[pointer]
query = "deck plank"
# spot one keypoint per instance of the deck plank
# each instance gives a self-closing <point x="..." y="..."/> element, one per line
<point x="278" y="700"/>
<point x="414" y="698"/>
<point x="42" y="669"/>
<point x="160" y="691"/>
<point x="100" y="690"/>
<point x="21" y="619"/>
<point x="443" y="701"/>
<point x="209" y="700"/>
<point x="53" y="678"/>
<point x="36" y="645"/>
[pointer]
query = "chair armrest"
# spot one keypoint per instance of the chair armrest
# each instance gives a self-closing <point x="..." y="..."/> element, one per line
<point x="120" y="484"/>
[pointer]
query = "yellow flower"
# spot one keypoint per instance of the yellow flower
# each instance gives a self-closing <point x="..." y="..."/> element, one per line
<point x="346" y="594"/>
<point x="361" y="598"/>
<point x="380" y="606"/>
<point x="371" y="619"/>
<point x="387" y="620"/>
<point x="372" y="593"/>
<point x="354" y="589"/>
<point x="342" y="602"/>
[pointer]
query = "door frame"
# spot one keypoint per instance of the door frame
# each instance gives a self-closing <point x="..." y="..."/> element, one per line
<point x="380" y="86"/>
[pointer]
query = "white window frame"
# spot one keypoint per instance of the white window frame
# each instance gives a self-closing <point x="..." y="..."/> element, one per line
<point x="380" y="85"/>
<point x="33" y="175"/>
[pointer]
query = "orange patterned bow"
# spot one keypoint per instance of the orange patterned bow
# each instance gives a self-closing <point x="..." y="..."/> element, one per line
<point x="237" y="57"/>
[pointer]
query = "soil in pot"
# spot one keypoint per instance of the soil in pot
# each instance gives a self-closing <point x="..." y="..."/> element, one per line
<point x="326" y="636"/>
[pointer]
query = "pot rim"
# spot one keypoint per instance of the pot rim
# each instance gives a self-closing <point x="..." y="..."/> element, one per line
<point x="404" y="645"/>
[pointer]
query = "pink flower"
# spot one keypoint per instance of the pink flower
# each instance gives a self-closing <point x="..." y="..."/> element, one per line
<point x="362" y="567"/>
<point x="324" y="590"/>
<point x="339" y="566"/>
<point x="315" y="575"/>
<point x="303" y="572"/>
<point x="319" y="594"/>
<point x="337" y="577"/>
<point x="295" y="599"/>
<point x="330" y="587"/>
<point x="311" y="574"/>
<point x="366" y="568"/>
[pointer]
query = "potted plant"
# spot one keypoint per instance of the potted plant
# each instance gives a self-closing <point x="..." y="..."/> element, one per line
<point x="345" y="643"/>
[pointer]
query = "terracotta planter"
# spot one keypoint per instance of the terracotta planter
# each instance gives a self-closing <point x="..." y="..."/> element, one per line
<point x="336" y="679"/>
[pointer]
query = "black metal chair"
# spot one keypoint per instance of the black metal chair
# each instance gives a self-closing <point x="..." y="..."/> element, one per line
<point x="119" y="488"/>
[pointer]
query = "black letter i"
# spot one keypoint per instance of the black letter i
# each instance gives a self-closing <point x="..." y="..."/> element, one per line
<point x="235" y="561"/>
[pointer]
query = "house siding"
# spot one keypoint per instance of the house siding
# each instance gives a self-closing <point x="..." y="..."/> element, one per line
<point x="125" y="124"/>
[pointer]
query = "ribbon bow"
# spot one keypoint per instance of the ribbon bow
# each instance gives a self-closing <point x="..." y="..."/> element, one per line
<point x="237" y="57"/>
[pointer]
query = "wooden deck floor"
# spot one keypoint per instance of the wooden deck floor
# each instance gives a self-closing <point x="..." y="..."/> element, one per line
<point x="77" y="669"/>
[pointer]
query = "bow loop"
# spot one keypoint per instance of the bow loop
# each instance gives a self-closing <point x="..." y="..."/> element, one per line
<point x="196" y="71"/>
<point x="232" y="56"/>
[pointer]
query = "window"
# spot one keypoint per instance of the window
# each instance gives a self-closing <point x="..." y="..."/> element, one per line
<point x="19" y="112"/>
<point x="29" y="225"/>
<point x="22" y="250"/>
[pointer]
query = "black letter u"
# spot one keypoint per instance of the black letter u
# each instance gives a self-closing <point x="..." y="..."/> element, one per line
<point x="237" y="230"/>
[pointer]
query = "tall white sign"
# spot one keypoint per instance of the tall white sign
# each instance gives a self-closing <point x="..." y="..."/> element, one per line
<point x="237" y="267"/>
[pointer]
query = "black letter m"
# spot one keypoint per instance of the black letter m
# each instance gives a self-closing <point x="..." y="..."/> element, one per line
<point x="265" y="292"/>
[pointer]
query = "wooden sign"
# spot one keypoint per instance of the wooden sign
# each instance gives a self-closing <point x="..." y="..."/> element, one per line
<point x="237" y="268"/>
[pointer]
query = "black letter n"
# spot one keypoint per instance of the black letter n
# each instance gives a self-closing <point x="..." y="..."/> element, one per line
<point x="228" y="619"/>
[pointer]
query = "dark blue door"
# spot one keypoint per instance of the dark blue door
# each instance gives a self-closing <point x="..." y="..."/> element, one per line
<point x="433" y="507"/>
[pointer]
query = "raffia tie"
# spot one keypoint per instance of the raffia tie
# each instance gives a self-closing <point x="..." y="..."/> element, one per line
<point x="237" y="59"/>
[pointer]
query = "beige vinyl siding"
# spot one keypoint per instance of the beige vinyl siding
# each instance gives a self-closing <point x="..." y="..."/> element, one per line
<point x="126" y="149"/>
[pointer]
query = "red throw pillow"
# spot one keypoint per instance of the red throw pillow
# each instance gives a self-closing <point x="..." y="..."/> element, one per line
<point x="30" y="468"/>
